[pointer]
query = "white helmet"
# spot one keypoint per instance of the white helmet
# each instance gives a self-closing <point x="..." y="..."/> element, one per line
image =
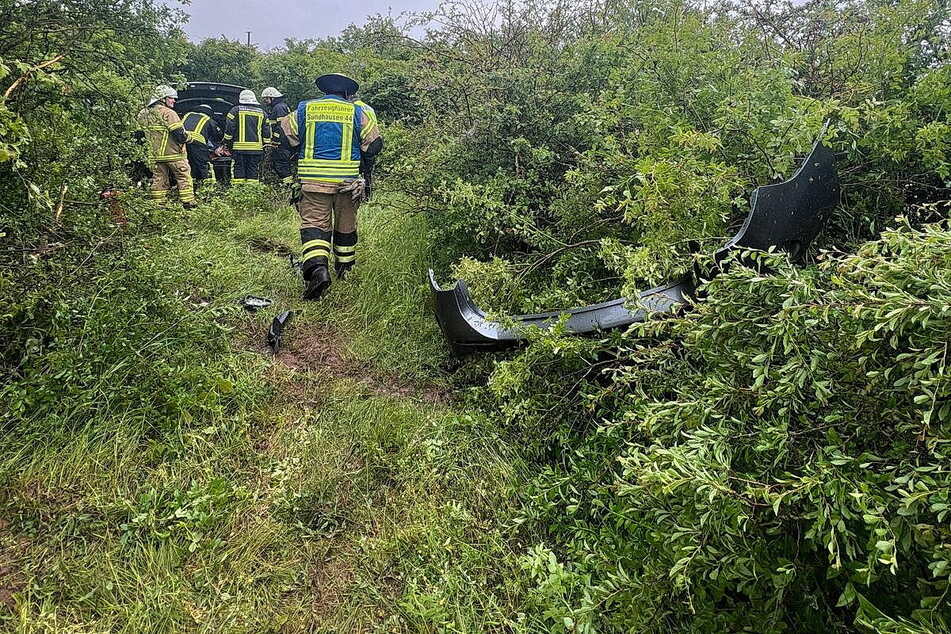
<point x="163" y="92"/>
<point x="271" y="92"/>
<point x="247" y="97"/>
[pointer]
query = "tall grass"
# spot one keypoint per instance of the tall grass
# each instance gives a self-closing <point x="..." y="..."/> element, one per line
<point x="159" y="471"/>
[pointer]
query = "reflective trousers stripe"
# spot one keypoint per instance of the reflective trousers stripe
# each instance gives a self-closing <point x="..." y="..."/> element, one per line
<point x="312" y="244"/>
<point x="318" y="248"/>
<point x="316" y="253"/>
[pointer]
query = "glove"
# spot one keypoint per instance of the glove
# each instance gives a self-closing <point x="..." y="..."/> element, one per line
<point x="357" y="189"/>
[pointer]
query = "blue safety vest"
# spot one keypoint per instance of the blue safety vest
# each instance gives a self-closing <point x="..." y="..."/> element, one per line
<point x="330" y="131"/>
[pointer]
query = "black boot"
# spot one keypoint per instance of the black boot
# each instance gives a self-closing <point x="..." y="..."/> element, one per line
<point x="342" y="269"/>
<point x="317" y="282"/>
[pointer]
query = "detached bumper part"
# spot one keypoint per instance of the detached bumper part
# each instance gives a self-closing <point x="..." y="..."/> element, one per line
<point x="276" y="330"/>
<point x="786" y="215"/>
<point x="466" y="326"/>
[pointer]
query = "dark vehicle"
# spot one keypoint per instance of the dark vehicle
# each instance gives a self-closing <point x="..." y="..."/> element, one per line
<point x="221" y="98"/>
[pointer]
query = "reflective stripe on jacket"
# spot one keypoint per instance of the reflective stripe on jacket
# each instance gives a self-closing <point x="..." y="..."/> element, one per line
<point x="371" y="115"/>
<point x="330" y="130"/>
<point x="246" y="129"/>
<point x="278" y="111"/>
<point x="164" y="131"/>
<point x="197" y="123"/>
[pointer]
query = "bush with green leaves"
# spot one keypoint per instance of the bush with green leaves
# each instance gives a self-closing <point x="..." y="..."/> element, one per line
<point x="772" y="460"/>
<point x="776" y="459"/>
<point x="590" y="146"/>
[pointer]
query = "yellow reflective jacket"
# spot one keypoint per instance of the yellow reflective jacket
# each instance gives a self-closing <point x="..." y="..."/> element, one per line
<point x="371" y="116"/>
<point x="246" y="128"/>
<point x="201" y="128"/>
<point x="164" y="131"/>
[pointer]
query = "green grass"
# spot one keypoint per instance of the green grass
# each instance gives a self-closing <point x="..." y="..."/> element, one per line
<point x="178" y="478"/>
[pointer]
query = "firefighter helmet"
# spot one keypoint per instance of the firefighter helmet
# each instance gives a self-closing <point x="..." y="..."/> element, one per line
<point x="246" y="97"/>
<point x="163" y="92"/>
<point x="271" y="92"/>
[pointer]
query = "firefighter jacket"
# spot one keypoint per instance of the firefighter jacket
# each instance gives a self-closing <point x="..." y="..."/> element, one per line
<point x="246" y="129"/>
<point x="278" y="111"/>
<point x="202" y="129"/>
<point x="370" y="112"/>
<point x="331" y="135"/>
<point x="165" y="133"/>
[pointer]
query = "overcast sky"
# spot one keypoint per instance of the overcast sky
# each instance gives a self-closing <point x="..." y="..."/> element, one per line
<point x="272" y="22"/>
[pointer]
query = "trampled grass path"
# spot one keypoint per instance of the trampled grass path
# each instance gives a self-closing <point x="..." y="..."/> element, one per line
<point x="337" y="486"/>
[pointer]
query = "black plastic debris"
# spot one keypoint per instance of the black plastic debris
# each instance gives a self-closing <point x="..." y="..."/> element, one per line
<point x="786" y="215"/>
<point x="254" y="303"/>
<point x="276" y="330"/>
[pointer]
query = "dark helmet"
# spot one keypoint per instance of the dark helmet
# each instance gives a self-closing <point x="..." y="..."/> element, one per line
<point x="337" y="83"/>
<point x="205" y="109"/>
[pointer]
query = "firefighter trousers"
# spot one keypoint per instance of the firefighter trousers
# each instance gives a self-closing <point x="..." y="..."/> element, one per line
<point x="167" y="173"/>
<point x="199" y="163"/>
<point x="328" y="229"/>
<point x="281" y="164"/>
<point x="246" y="166"/>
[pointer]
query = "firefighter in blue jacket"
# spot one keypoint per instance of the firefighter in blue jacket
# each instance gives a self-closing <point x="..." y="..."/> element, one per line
<point x="333" y="136"/>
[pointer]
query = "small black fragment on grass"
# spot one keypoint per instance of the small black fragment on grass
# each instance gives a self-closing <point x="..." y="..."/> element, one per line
<point x="253" y="302"/>
<point x="277" y="329"/>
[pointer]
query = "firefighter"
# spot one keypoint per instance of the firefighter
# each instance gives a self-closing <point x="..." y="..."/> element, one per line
<point x="367" y="162"/>
<point x="245" y="131"/>
<point x="332" y="136"/>
<point x="280" y="149"/>
<point x="206" y="135"/>
<point x="167" y="139"/>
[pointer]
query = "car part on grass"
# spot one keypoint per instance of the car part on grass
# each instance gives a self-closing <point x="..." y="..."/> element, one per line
<point x="786" y="215"/>
<point x="466" y="326"/>
<point x="254" y="303"/>
<point x="276" y="330"/>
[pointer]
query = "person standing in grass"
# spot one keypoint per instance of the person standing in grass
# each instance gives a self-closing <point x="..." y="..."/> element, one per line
<point x="245" y="132"/>
<point x="333" y="136"/>
<point x="167" y="138"/>
<point x="280" y="150"/>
